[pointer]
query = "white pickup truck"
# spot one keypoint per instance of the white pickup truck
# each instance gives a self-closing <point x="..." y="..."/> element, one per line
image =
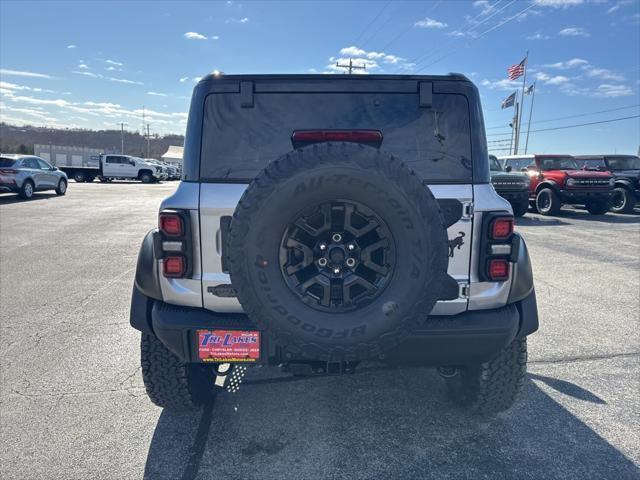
<point x="107" y="167"/>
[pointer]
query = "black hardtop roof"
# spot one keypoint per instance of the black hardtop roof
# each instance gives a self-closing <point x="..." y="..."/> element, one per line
<point x="600" y="157"/>
<point x="218" y="77"/>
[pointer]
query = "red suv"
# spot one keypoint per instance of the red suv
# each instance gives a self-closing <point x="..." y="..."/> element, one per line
<point x="557" y="179"/>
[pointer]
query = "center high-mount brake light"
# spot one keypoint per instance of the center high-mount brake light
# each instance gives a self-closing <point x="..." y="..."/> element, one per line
<point x="171" y="224"/>
<point x="371" y="137"/>
<point x="501" y="228"/>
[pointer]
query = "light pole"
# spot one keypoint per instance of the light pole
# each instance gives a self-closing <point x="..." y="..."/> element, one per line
<point x="122" y="124"/>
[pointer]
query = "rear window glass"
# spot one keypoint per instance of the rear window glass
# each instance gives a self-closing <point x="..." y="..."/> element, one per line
<point x="239" y="142"/>
<point x="624" y="163"/>
<point x="7" y="162"/>
<point x="558" y="163"/>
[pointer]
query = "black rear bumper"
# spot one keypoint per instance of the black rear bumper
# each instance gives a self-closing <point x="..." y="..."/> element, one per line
<point x="467" y="338"/>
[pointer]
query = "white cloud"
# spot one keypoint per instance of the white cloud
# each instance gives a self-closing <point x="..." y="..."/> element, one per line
<point x="612" y="91"/>
<point x="457" y="33"/>
<point x="503" y="84"/>
<point x="12" y="86"/>
<point x="214" y="37"/>
<point x="157" y="94"/>
<point x="113" y="62"/>
<point x="183" y="79"/>
<point x="573" y="63"/>
<point x="124" y="80"/>
<point x="21" y="73"/>
<point x="111" y="68"/>
<point x="485" y="5"/>
<point x="244" y="20"/>
<point x="83" y="66"/>
<point x="362" y="55"/>
<point x="111" y="79"/>
<point x="574" y="32"/>
<point x="88" y="74"/>
<point x="604" y="74"/>
<point x="195" y="36"/>
<point x="613" y="9"/>
<point x="351" y="51"/>
<point x="430" y="23"/>
<point x="558" y="3"/>
<point x="538" y="36"/>
<point x="72" y="46"/>
<point x="237" y="20"/>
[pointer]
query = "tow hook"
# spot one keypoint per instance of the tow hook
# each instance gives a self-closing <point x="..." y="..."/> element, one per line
<point x="447" y="372"/>
<point x="235" y="379"/>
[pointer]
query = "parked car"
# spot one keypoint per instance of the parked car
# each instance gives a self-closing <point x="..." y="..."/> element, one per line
<point x="626" y="170"/>
<point x="111" y="166"/>
<point x="27" y="174"/>
<point x="512" y="186"/>
<point x="557" y="180"/>
<point x="313" y="238"/>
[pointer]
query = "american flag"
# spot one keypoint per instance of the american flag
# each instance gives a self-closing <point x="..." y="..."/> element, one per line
<point x="516" y="71"/>
<point x="509" y="101"/>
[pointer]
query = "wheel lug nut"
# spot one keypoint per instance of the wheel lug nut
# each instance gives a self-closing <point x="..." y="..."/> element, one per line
<point x="322" y="262"/>
<point x="351" y="262"/>
<point x="336" y="270"/>
<point x="323" y="246"/>
<point x="336" y="237"/>
<point x="351" y="246"/>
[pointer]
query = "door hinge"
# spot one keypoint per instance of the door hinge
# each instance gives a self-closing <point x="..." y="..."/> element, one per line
<point x="464" y="290"/>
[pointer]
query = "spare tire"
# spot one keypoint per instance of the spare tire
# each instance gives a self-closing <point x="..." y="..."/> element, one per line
<point x="338" y="251"/>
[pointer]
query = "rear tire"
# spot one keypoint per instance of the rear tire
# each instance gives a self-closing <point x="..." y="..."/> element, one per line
<point x="547" y="202"/>
<point x="491" y="387"/>
<point x="169" y="382"/>
<point x="27" y="190"/>
<point x="624" y="200"/>
<point x="79" y="177"/>
<point x="519" y="209"/>
<point x="61" y="189"/>
<point x="146" y="178"/>
<point x="598" y="208"/>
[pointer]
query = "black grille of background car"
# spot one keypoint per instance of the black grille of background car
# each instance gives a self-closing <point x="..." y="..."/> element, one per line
<point x="591" y="182"/>
<point x="509" y="184"/>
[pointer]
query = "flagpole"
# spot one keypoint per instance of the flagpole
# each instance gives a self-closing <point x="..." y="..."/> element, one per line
<point x="533" y="97"/>
<point x="514" y="126"/>
<point x="524" y="81"/>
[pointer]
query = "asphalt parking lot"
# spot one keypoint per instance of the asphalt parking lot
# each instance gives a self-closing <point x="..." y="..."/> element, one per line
<point x="73" y="404"/>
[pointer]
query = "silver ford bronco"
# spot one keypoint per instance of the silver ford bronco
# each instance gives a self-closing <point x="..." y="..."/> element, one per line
<point x="324" y="221"/>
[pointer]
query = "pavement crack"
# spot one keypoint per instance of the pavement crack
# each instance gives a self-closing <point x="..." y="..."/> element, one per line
<point x="584" y="358"/>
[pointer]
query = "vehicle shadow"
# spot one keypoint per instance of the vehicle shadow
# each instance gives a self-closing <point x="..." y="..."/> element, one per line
<point x="379" y="424"/>
<point x="531" y="220"/>
<point x="534" y="219"/>
<point x="9" y="198"/>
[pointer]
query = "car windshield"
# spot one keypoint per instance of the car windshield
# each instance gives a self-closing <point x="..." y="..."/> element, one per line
<point x="494" y="163"/>
<point x="592" y="163"/>
<point x="558" y="163"/>
<point x="7" y="162"/>
<point x="624" y="163"/>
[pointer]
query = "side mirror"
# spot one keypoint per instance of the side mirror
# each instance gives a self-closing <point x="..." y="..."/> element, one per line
<point x="132" y="162"/>
<point x="508" y="168"/>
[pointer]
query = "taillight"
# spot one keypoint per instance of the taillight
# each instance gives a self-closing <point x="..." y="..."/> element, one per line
<point x="8" y="171"/>
<point x="174" y="244"/>
<point x="174" y="266"/>
<point x="171" y="224"/>
<point x="498" y="269"/>
<point x="498" y="247"/>
<point x="501" y="228"/>
<point x="369" y="137"/>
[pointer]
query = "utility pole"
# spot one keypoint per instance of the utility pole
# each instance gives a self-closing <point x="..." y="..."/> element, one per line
<point x="148" y="138"/>
<point x="524" y="81"/>
<point x="351" y="66"/>
<point x="122" y="124"/>
<point x="533" y="97"/>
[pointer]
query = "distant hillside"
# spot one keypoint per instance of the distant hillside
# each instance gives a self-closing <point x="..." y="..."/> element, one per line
<point x="14" y="139"/>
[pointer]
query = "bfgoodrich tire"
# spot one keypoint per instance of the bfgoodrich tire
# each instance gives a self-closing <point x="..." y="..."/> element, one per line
<point x="338" y="251"/>
<point x="493" y="386"/>
<point x="547" y="202"/>
<point x="171" y="383"/>
<point x="624" y="200"/>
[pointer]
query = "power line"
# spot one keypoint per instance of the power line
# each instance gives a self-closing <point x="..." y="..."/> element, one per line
<point x="371" y="22"/>
<point x="577" y="115"/>
<point x="372" y="36"/>
<point x="585" y="124"/>
<point x="410" y="27"/>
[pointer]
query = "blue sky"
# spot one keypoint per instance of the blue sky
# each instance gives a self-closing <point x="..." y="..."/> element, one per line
<point x="94" y="64"/>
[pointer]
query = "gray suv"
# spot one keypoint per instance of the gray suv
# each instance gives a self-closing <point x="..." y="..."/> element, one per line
<point x="27" y="174"/>
<point x="326" y="221"/>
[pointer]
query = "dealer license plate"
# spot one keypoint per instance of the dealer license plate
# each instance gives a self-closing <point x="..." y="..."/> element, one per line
<point x="228" y="346"/>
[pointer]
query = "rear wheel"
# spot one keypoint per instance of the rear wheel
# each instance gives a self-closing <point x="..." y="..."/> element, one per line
<point x="547" y="202"/>
<point x="490" y="387"/>
<point x="598" y="208"/>
<point x="27" y="190"/>
<point x="61" y="189"/>
<point x="146" y="178"/>
<point x="79" y="177"/>
<point x="171" y="383"/>
<point x="624" y="200"/>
